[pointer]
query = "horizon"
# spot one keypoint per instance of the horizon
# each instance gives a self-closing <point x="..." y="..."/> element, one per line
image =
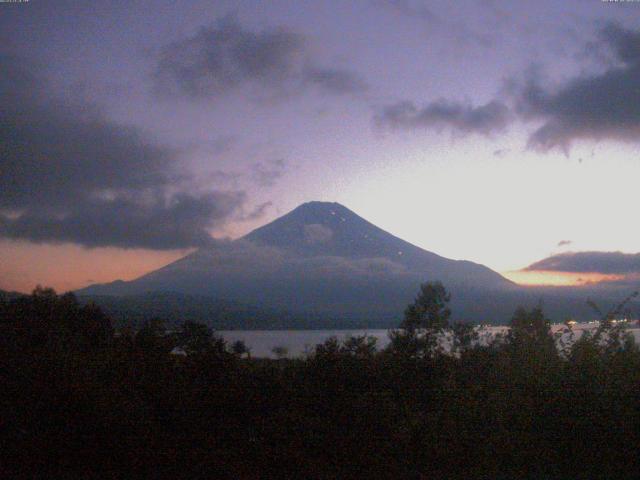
<point x="542" y="278"/>
<point x="502" y="134"/>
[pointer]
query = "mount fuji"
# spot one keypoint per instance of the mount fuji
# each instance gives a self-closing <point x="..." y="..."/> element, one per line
<point x="320" y="260"/>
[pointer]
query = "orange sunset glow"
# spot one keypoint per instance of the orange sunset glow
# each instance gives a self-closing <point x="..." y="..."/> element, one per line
<point x="559" y="279"/>
<point x="69" y="267"/>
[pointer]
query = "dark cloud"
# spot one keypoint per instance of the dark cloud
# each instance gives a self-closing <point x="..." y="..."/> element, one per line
<point x="596" y="107"/>
<point x="486" y="119"/>
<point x="564" y="243"/>
<point x="267" y="173"/>
<point x="333" y="80"/>
<point x="460" y="33"/>
<point x="69" y="174"/>
<point x="590" y="262"/>
<point x="177" y="222"/>
<point x="225" y="56"/>
<point x="625" y="43"/>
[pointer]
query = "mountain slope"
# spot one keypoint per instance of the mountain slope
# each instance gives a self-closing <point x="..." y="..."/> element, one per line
<point x="330" y="229"/>
<point x="321" y="259"/>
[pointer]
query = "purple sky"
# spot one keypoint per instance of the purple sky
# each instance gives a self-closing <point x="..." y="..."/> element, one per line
<point x="494" y="131"/>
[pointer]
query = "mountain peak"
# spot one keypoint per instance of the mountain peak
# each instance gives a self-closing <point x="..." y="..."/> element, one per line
<point x="317" y="228"/>
<point x="329" y="229"/>
<point x="313" y="208"/>
<point x="319" y="204"/>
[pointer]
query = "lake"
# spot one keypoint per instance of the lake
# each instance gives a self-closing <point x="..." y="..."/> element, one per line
<point x="299" y="342"/>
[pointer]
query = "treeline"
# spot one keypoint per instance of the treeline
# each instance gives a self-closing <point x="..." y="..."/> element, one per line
<point x="80" y="400"/>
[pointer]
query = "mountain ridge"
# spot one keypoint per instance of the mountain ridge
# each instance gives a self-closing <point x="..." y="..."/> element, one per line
<point x="328" y="218"/>
<point x="319" y="259"/>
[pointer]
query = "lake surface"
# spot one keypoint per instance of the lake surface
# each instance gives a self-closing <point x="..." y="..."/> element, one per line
<point x="300" y="342"/>
<point x="297" y="342"/>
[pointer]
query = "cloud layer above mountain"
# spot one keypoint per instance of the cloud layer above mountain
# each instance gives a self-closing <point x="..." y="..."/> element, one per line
<point x="615" y="269"/>
<point x="595" y="107"/>
<point x="590" y="262"/>
<point x="458" y="117"/>
<point x="69" y="174"/>
<point x="589" y="106"/>
<point x="226" y="56"/>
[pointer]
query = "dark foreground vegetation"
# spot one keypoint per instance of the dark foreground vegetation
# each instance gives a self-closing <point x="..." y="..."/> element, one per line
<point x="82" y="401"/>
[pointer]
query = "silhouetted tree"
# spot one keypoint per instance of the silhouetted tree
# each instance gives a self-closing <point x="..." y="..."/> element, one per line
<point x="240" y="348"/>
<point x="361" y="346"/>
<point x="424" y="321"/>
<point x="329" y="348"/>
<point x="464" y="336"/>
<point x="430" y="309"/>
<point x="612" y="335"/>
<point x="196" y="338"/>
<point x="154" y="337"/>
<point x="46" y="320"/>
<point x="76" y="404"/>
<point x="280" y="351"/>
<point x="531" y="330"/>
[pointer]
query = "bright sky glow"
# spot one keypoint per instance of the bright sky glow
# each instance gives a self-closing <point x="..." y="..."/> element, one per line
<point x="457" y="182"/>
